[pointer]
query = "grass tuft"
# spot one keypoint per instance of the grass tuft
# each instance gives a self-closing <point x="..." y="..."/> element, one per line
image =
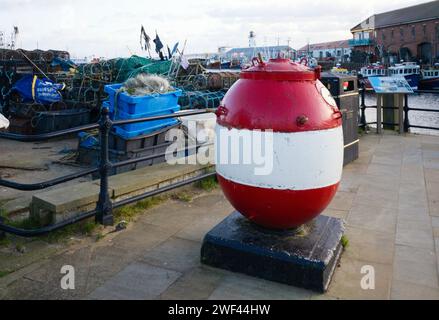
<point x="4" y="273"/>
<point x="345" y="242"/>
<point x="207" y="184"/>
<point x="184" y="197"/>
<point x="128" y="213"/>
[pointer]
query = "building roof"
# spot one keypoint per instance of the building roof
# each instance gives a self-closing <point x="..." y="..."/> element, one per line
<point x="253" y="50"/>
<point x="420" y="12"/>
<point x="326" y="45"/>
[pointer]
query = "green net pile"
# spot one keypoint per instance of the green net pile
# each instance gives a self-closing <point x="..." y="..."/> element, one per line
<point x="126" y="68"/>
<point x="89" y="81"/>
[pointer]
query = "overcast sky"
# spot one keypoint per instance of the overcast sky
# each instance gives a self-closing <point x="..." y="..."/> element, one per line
<point x="111" y="28"/>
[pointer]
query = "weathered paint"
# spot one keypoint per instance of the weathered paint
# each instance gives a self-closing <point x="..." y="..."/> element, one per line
<point x="289" y="100"/>
<point x="277" y="209"/>
<point x="300" y="160"/>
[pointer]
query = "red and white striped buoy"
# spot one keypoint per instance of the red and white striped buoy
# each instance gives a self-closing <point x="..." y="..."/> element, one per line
<point x="307" y="140"/>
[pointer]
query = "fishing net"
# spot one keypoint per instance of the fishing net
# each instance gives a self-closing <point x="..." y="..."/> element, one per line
<point x="126" y="68"/>
<point x="89" y="81"/>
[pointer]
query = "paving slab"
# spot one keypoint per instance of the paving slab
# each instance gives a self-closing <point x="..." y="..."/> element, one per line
<point x="175" y="254"/>
<point x="241" y="287"/>
<point x="138" y="281"/>
<point x="67" y="198"/>
<point x="347" y="280"/>
<point x="415" y="265"/>
<point x="197" y="284"/>
<point x="420" y="214"/>
<point x="415" y="233"/>
<point x="432" y="175"/>
<point x="367" y="216"/>
<point x="149" y="178"/>
<point x="384" y="170"/>
<point x="18" y="205"/>
<point x="402" y="290"/>
<point x="370" y="245"/>
<point x="342" y="201"/>
<point x="143" y="236"/>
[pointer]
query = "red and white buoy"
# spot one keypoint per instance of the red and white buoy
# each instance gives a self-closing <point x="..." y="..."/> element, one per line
<point x="307" y="139"/>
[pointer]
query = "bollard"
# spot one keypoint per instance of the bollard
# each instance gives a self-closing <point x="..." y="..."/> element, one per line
<point x="104" y="205"/>
<point x="363" y="106"/>
<point x="406" y="114"/>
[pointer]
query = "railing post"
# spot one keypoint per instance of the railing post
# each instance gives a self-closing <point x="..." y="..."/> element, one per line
<point x="363" y="106"/>
<point x="104" y="205"/>
<point x="406" y="114"/>
<point x="2" y="234"/>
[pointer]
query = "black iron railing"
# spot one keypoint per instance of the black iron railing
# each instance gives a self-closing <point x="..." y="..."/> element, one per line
<point x="406" y="123"/>
<point x="104" y="208"/>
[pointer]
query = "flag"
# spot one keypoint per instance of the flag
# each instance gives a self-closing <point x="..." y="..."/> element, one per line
<point x="146" y="38"/>
<point x="169" y="53"/>
<point x="184" y="62"/>
<point x="175" y="48"/>
<point x="158" y="43"/>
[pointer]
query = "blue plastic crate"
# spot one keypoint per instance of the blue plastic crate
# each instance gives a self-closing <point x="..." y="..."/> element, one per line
<point x="87" y="140"/>
<point x="147" y="126"/>
<point x="141" y="104"/>
<point x="132" y="134"/>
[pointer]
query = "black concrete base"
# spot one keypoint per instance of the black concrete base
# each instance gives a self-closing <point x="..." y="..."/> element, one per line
<point x="305" y="258"/>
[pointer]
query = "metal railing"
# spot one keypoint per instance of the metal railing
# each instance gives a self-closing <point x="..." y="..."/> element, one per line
<point x="406" y="109"/>
<point x="103" y="212"/>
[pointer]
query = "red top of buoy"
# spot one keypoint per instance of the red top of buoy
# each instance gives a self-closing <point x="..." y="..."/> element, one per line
<point x="279" y="95"/>
<point x="280" y="69"/>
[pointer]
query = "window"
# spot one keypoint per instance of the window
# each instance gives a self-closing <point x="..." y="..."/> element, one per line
<point x="401" y="31"/>
<point x="400" y="71"/>
<point x="424" y="29"/>
<point x="392" y="33"/>
<point x="414" y="31"/>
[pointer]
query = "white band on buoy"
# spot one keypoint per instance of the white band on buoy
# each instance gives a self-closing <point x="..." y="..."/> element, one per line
<point x="296" y="161"/>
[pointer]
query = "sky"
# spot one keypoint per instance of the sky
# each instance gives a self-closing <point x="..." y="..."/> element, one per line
<point x="110" y="28"/>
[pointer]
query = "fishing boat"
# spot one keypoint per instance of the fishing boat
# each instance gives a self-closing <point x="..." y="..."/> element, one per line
<point x="339" y="70"/>
<point x="373" y="70"/>
<point x="430" y="79"/>
<point x="4" y="123"/>
<point x="409" y="70"/>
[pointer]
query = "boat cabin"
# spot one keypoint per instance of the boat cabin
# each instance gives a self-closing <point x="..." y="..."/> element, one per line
<point x="373" y="72"/>
<point x="404" y="69"/>
<point x="430" y="74"/>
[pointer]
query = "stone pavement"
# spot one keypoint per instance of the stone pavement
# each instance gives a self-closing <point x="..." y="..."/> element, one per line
<point x="389" y="198"/>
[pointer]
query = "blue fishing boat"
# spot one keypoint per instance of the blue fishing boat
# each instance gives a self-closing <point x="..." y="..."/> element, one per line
<point x="430" y="79"/>
<point x="409" y="70"/>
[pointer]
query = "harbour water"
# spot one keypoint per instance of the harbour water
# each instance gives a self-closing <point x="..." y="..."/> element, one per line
<point x="419" y="100"/>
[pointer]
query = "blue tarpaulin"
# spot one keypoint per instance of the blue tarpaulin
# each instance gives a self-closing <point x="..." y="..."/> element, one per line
<point x="42" y="91"/>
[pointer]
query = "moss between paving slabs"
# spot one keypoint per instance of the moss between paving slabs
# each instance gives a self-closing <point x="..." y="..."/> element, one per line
<point x="208" y="184"/>
<point x="345" y="242"/>
<point x="89" y="227"/>
<point x="128" y="213"/>
<point x="4" y="273"/>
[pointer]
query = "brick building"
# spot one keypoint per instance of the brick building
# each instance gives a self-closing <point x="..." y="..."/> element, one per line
<point x="410" y="34"/>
